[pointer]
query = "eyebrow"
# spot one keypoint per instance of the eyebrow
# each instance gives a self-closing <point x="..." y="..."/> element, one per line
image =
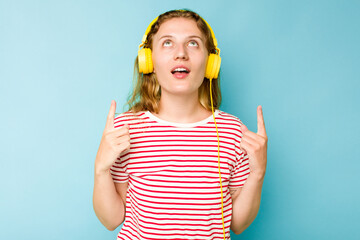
<point x="192" y="36"/>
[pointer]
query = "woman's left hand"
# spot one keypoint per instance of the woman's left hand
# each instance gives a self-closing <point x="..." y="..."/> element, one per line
<point x="255" y="145"/>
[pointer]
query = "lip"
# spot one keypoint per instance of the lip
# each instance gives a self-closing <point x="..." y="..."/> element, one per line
<point x="180" y="75"/>
<point x="180" y="66"/>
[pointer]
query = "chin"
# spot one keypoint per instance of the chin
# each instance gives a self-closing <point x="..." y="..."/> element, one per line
<point x="182" y="91"/>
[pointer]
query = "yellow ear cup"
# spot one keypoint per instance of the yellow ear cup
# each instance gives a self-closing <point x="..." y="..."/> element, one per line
<point x="213" y="66"/>
<point x="145" y="61"/>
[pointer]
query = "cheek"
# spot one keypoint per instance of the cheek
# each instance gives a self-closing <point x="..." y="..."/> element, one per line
<point x="154" y="59"/>
<point x="202" y="64"/>
<point x="159" y="62"/>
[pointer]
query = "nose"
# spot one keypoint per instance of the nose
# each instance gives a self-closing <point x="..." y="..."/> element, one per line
<point x="181" y="52"/>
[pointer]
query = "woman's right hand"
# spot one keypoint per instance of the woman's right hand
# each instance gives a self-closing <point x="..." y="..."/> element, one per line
<point x="112" y="144"/>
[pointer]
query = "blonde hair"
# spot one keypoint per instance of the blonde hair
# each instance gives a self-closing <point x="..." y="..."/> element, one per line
<point x="147" y="92"/>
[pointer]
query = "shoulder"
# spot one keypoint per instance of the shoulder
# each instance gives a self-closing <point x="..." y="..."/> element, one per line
<point x="231" y="124"/>
<point x="228" y="118"/>
<point x="128" y="117"/>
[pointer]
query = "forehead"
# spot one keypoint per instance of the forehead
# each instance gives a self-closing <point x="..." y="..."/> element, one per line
<point x="178" y="26"/>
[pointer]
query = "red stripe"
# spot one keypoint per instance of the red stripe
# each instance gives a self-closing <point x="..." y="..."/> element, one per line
<point x="180" y="187"/>
<point x="177" y="198"/>
<point x="226" y="204"/>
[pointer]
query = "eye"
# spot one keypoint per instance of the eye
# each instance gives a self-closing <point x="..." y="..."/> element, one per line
<point x="193" y="43"/>
<point x="167" y="43"/>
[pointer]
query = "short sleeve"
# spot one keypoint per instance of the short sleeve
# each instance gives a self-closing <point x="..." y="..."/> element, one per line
<point x="240" y="172"/>
<point x="118" y="172"/>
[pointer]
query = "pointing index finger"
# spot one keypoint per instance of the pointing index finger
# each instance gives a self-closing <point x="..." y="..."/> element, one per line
<point x="260" y="119"/>
<point x="111" y="115"/>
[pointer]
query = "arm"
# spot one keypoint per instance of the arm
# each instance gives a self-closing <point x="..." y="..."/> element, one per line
<point x="108" y="200"/>
<point x="246" y="203"/>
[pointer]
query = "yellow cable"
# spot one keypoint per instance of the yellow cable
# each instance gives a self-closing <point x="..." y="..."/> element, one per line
<point x="217" y="133"/>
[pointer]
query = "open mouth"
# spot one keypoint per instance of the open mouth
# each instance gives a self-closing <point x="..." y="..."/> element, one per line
<point x="180" y="72"/>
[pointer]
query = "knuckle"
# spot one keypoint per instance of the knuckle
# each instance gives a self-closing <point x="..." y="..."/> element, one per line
<point x="122" y="131"/>
<point x="113" y="148"/>
<point x="119" y="148"/>
<point x="124" y="146"/>
<point x="106" y="136"/>
<point x="108" y="132"/>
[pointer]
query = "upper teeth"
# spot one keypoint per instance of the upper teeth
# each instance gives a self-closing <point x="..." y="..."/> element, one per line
<point x="180" y="69"/>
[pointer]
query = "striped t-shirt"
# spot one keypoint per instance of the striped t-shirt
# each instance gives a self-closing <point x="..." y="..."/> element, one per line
<point x="173" y="177"/>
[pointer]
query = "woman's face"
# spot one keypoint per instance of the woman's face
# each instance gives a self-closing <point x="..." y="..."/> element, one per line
<point x="179" y="56"/>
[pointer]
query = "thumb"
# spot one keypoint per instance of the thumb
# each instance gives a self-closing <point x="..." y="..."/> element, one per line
<point x="110" y="118"/>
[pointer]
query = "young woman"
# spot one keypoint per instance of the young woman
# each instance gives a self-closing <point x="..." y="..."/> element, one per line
<point x="159" y="164"/>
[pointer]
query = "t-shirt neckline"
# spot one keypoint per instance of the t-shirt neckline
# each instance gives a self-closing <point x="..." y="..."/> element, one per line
<point x="175" y="124"/>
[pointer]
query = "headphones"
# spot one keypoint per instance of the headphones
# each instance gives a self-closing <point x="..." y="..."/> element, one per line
<point x="146" y="64"/>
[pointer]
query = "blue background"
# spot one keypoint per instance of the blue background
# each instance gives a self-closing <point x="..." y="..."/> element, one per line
<point x="62" y="62"/>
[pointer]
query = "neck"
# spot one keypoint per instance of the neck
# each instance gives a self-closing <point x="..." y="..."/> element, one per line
<point x="181" y="109"/>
